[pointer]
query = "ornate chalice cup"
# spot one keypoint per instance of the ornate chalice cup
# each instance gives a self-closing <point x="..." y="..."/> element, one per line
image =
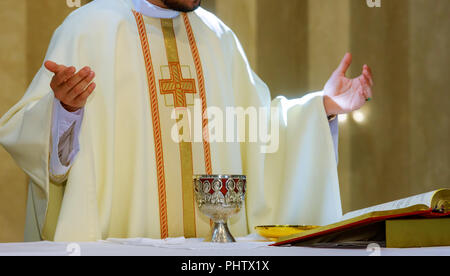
<point x="220" y="197"/>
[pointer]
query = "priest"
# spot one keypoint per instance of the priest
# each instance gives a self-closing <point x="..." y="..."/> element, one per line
<point x="94" y="131"/>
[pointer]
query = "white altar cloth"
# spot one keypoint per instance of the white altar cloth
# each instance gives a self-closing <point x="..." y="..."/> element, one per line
<point x="196" y="247"/>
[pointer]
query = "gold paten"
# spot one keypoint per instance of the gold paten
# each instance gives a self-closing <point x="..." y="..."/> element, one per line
<point x="274" y="232"/>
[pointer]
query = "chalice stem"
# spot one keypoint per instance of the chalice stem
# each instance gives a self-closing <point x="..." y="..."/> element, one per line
<point x="221" y="233"/>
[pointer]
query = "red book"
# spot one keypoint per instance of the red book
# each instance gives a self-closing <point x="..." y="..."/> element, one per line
<point x="362" y="227"/>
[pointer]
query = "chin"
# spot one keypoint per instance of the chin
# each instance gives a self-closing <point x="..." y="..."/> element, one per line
<point x="182" y="5"/>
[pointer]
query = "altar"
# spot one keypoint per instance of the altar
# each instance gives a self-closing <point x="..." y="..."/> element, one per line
<point x="195" y="247"/>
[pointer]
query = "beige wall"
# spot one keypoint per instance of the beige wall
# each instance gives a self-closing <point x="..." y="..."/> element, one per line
<point x="13" y="77"/>
<point x="400" y="149"/>
<point x="429" y="117"/>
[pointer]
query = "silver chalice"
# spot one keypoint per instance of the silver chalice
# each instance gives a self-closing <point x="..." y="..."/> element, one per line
<point x="220" y="197"/>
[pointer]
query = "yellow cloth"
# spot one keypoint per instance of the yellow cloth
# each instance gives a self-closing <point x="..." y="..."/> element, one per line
<point x="112" y="188"/>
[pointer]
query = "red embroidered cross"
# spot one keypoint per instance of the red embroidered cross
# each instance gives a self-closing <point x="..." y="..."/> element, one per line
<point x="177" y="86"/>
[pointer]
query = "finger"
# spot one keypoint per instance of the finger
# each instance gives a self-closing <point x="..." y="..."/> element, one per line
<point x="81" y="99"/>
<point x="368" y="74"/>
<point x="367" y="81"/>
<point x="53" y="66"/>
<point x="366" y="88"/>
<point x="368" y="77"/>
<point x="62" y="76"/>
<point x="369" y="69"/>
<point x="368" y="94"/>
<point x="74" y="80"/>
<point x="81" y="86"/>
<point x="345" y="64"/>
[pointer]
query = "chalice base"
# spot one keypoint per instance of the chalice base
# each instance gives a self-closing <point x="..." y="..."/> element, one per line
<point x="220" y="233"/>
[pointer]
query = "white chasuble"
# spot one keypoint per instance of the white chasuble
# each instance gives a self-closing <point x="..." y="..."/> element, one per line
<point x="131" y="178"/>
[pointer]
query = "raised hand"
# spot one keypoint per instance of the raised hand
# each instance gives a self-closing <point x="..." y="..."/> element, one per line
<point x="70" y="88"/>
<point x="343" y="95"/>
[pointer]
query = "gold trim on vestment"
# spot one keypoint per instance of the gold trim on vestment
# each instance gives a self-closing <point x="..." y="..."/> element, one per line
<point x="179" y="87"/>
<point x="159" y="155"/>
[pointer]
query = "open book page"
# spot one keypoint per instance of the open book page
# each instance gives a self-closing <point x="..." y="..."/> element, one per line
<point x="422" y="199"/>
<point x="441" y="200"/>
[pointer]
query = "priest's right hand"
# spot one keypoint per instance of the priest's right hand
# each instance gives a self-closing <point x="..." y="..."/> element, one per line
<point x="70" y="88"/>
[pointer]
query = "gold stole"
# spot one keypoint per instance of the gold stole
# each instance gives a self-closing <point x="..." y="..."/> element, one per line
<point x="177" y="87"/>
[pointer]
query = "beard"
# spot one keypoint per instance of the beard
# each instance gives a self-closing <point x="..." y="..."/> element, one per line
<point x="179" y="5"/>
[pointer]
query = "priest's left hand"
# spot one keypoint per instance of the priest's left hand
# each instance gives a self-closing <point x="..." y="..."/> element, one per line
<point x="343" y="95"/>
